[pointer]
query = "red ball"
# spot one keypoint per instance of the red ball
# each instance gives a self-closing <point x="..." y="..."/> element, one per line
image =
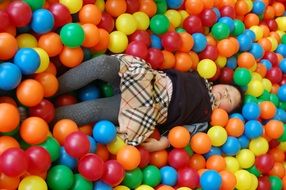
<point x="178" y="158"/>
<point x="65" y="100"/>
<point x="264" y="163"/>
<point x="274" y="75"/>
<point x="228" y="11"/>
<point x="272" y="57"/>
<point x="210" y="52"/>
<point x="208" y="17"/>
<point x="226" y="76"/>
<point x="140" y="36"/>
<point x="113" y="173"/>
<point x="272" y="24"/>
<point x="217" y="74"/>
<point x="77" y="144"/>
<point x="91" y="166"/>
<point x="13" y="162"/>
<point x="145" y="157"/>
<point x="171" y="41"/>
<point x="132" y="6"/>
<point x="39" y="160"/>
<point x="45" y="110"/>
<point x="188" y="177"/>
<point x="283" y="81"/>
<point x="155" y="58"/>
<point x="193" y="24"/>
<point x="263" y="183"/>
<point x="4" y="20"/>
<point x="138" y="49"/>
<point x="19" y="13"/>
<point x="106" y="22"/>
<point x="88" y="2"/>
<point x="61" y="14"/>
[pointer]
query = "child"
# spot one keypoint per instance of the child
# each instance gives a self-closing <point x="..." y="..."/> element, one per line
<point x="145" y="98"/>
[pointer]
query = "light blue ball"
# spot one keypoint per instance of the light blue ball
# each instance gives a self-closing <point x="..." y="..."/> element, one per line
<point x="253" y="129"/>
<point x="244" y="141"/>
<point x="28" y="60"/>
<point x="104" y="132"/>
<point x="231" y="146"/>
<point x="168" y="175"/>
<point x="66" y="159"/>
<point x="42" y="21"/>
<point x="281" y="49"/>
<point x="282" y="65"/>
<point x="258" y="7"/>
<point x="282" y="93"/>
<point x="228" y="21"/>
<point x="210" y="180"/>
<point x="231" y="62"/>
<point x="100" y="185"/>
<point x="266" y="63"/>
<point x="245" y="42"/>
<point x="256" y="50"/>
<point x="213" y="151"/>
<point x="155" y="41"/>
<point x="174" y="4"/>
<point x="93" y="145"/>
<point x="10" y="76"/>
<point x="251" y="111"/>
<point x="200" y="42"/>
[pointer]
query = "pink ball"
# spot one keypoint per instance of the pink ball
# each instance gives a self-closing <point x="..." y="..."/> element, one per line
<point x="91" y="166"/>
<point x="113" y="173"/>
<point x="77" y="144"/>
<point x="178" y="158"/>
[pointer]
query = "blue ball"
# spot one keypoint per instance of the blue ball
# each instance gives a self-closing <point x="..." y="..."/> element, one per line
<point x="250" y="33"/>
<point x="104" y="132"/>
<point x="237" y="115"/>
<point x="251" y="111"/>
<point x="258" y="7"/>
<point x="92" y="143"/>
<point x="256" y="50"/>
<point x="168" y="175"/>
<point x="213" y="151"/>
<point x="10" y="76"/>
<point x="155" y="41"/>
<point x="100" y="185"/>
<point x="200" y="42"/>
<point x="244" y="141"/>
<point x="231" y="146"/>
<point x="42" y="21"/>
<point x="281" y="93"/>
<point x="266" y="63"/>
<point x="231" y="62"/>
<point x="28" y="60"/>
<point x="66" y="159"/>
<point x="280" y="115"/>
<point x="228" y="21"/>
<point x="253" y="129"/>
<point x="281" y="49"/>
<point x="210" y="180"/>
<point x="89" y="92"/>
<point x="282" y="65"/>
<point x="245" y="42"/>
<point x="174" y="4"/>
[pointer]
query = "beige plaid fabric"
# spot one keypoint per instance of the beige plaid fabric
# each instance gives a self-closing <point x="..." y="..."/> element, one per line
<point x="145" y="97"/>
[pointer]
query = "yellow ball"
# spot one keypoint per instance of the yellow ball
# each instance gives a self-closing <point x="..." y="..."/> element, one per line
<point x="121" y="187"/>
<point x="218" y="135"/>
<point x="221" y="61"/>
<point x="142" y="20"/>
<point x="256" y="76"/>
<point x="258" y="31"/>
<point x="44" y="60"/>
<point x="245" y="158"/>
<point x="144" y="187"/>
<point x="184" y="188"/>
<point x="274" y="43"/>
<point x="174" y="17"/>
<point x="255" y="88"/>
<point x="115" y="145"/>
<point x="73" y="5"/>
<point x="259" y="146"/>
<point x="243" y="180"/>
<point x="282" y="146"/>
<point x="280" y="33"/>
<point x="184" y="14"/>
<point x="33" y="182"/>
<point x="26" y="41"/>
<point x="254" y="182"/>
<point x="249" y="4"/>
<point x="206" y="68"/>
<point x="281" y="22"/>
<point x="100" y="4"/>
<point x="267" y="84"/>
<point x="232" y="164"/>
<point x="118" y="42"/>
<point x="126" y="23"/>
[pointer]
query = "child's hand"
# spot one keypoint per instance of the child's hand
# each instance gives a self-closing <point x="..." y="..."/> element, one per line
<point x="153" y="145"/>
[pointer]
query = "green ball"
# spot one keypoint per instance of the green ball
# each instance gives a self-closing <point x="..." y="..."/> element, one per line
<point x="282" y="105"/>
<point x="241" y="76"/>
<point x="254" y="171"/>
<point x="283" y="39"/>
<point x="265" y="96"/>
<point x="161" y="6"/>
<point x="72" y="35"/>
<point x="189" y="150"/>
<point x="159" y="24"/>
<point x="220" y="31"/>
<point x="282" y="138"/>
<point x="35" y="4"/>
<point x="274" y="99"/>
<point x="60" y="177"/>
<point x="249" y="98"/>
<point x="106" y="90"/>
<point x="133" y="178"/>
<point x="180" y="30"/>
<point x="151" y="176"/>
<point x="53" y="147"/>
<point x="80" y="183"/>
<point x="238" y="27"/>
<point x="276" y="183"/>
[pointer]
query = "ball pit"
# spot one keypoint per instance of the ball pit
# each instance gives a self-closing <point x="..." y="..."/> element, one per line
<point x="241" y="42"/>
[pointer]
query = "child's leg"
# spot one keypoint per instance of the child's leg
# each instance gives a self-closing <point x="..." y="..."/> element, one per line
<point x="103" y="67"/>
<point x="91" y="111"/>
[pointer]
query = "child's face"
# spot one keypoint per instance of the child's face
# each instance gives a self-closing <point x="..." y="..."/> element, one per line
<point x="227" y="97"/>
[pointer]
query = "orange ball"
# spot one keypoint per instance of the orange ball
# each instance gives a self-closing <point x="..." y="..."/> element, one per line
<point x="201" y="143"/>
<point x="49" y="82"/>
<point x="284" y="182"/>
<point x="246" y="60"/>
<point x="241" y="8"/>
<point x="267" y="110"/>
<point x="90" y="13"/>
<point x="265" y="30"/>
<point x="63" y="128"/>
<point x="51" y="43"/>
<point x="197" y="162"/>
<point x="149" y="7"/>
<point x="265" y="43"/>
<point x="234" y="127"/>
<point x="103" y="42"/>
<point x="8" y="99"/>
<point x="124" y="156"/>
<point x="269" y="12"/>
<point x="187" y="42"/>
<point x="91" y="35"/>
<point x="219" y="117"/>
<point x="165" y="187"/>
<point x="194" y="7"/>
<point x="71" y="57"/>
<point x="261" y="69"/>
<point x="226" y="48"/>
<point x="169" y="60"/>
<point x="228" y="180"/>
<point x="274" y="129"/>
<point x="279" y="8"/>
<point x="7" y="182"/>
<point x="115" y="7"/>
<point x="179" y="137"/>
<point x="159" y="158"/>
<point x="34" y="130"/>
<point x="183" y="61"/>
<point x="277" y="154"/>
<point x="208" y="3"/>
<point x="7" y="142"/>
<point x="195" y="59"/>
<point x="278" y="170"/>
<point x="86" y="129"/>
<point x="51" y="69"/>
<point x="8" y="46"/>
<point x="102" y="151"/>
<point x="216" y="162"/>
<point x="251" y="19"/>
<point x="9" y="117"/>
<point x="30" y="92"/>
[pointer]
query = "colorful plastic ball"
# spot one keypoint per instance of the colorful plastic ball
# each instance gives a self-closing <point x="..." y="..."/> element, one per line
<point x="26" y="41"/>
<point x="210" y="179"/>
<point x="174" y="4"/>
<point x="193" y="24"/>
<point x="228" y="21"/>
<point x="115" y="7"/>
<point x="243" y="179"/>
<point x="264" y="163"/>
<point x="39" y="160"/>
<point x="77" y="144"/>
<point x="168" y="175"/>
<point x="258" y="7"/>
<point x="274" y="129"/>
<point x="171" y="41"/>
<point x="155" y="41"/>
<point x="200" y="42"/>
<point x="200" y="143"/>
<point x="81" y="183"/>
<point x="126" y="23"/>
<point x="143" y="187"/>
<point x="231" y="146"/>
<point x="213" y="151"/>
<point x="274" y="74"/>
<point x="53" y="147"/>
<point x="60" y="177"/>
<point x="253" y="129"/>
<point x="155" y="58"/>
<point x="179" y="137"/>
<point x="104" y="132"/>
<point x="282" y="65"/>
<point x="232" y="164"/>
<point x="133" y="178"/>
<point x="91" y="166"/>
<point x="188" y="177"/>
<point x="7" y="142"/>
<point x="100" y="185"/>
<point x="206" y="68"/>
<point x="282" y="93"/>
<point x="33" y="182"/>
<point x="90" y="92"/>
<point x="42" y="21"/>
<point x="45" y="110"/>
<point x="113" y="173"/>
<point x="132" y="6"/>
<point x="63" y="128"/>
<point x="141" y="36"/>
<point x="145" y="157"/>
<point x="124" y="154"/>
<point x="27" y="60"/>
<point x="159" y="24"/>
<point x="90" y="13"/>
<point x="73" y="5"/>
<point x="137" y="49"/>
<point x="151" y="176"/>
<point x="92" y="144"/>
<point x="10" y="76"/>
<point x="13" y="162"/>
<point x="245" y="42"/>
<point x="220" y="31"/>
<point x="118" y="42"/>
<point x="4" y="19"/>
<point x="228" y="180"/>
<point x="19" y="13"/>
<point x="66" y="159"/>
<point x="44" y="60"/>
<point x="245" y="158"/>
<point x="61" y="14"/>
<point x="106" y="22"/>
<point x="275" y="182"/>
<point x="9" y="117"/>
<point x="238" y="27"/>
<point x="250" y="111"/>
<point x="218" y="135"/>
<point x="72" y="35"/>
<point x="35" y="4"/>
<point x="115" y="145"/>
<point x="178" y="158"/>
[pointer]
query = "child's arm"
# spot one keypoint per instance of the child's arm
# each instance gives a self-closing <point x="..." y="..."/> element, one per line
<point x="153" y="145"/>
